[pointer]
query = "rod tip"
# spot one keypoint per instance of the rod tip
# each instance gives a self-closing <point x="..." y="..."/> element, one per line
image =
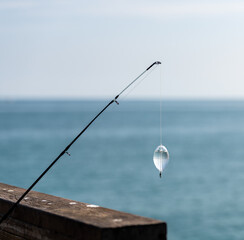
<point x="153" y="65"/>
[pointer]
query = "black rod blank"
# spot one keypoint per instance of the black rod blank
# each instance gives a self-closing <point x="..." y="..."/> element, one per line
<point x="71" y="143"/>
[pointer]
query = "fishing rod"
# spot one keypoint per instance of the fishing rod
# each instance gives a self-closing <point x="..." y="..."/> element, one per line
<point x="65" y="151"/>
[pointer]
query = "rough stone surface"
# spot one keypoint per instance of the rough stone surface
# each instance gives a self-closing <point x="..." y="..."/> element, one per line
<point x="46" y="217"/>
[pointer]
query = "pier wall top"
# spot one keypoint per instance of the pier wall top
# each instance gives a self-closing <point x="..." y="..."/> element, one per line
<point x="45" y="217"/>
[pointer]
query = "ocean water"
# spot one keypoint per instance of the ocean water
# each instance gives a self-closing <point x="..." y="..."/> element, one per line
<point x="201" y="192"/>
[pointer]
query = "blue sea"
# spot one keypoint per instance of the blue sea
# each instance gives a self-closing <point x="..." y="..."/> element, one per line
<point x="201" y="192"/>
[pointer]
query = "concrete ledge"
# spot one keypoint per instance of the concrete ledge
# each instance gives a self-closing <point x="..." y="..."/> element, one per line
<point x="45" y="217"/>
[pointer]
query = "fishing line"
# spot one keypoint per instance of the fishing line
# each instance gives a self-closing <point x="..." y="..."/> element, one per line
<point x="65" y="151"/>
<point x="137" y="78"/>
<point x="137" y="84"/>
<point x="160" y="105"/>
<point x="161" y="154"/>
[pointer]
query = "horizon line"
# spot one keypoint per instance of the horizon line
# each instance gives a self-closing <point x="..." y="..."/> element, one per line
<point x="55" y="99"/>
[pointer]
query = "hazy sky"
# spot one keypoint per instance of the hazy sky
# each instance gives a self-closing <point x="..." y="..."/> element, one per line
<point x="80" y="49"/>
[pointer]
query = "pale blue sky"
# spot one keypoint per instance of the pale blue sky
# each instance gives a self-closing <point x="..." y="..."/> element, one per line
<point x="85" y="49"/>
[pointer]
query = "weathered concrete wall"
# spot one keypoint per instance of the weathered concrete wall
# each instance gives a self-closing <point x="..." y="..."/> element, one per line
<point x="45" y="217"/>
